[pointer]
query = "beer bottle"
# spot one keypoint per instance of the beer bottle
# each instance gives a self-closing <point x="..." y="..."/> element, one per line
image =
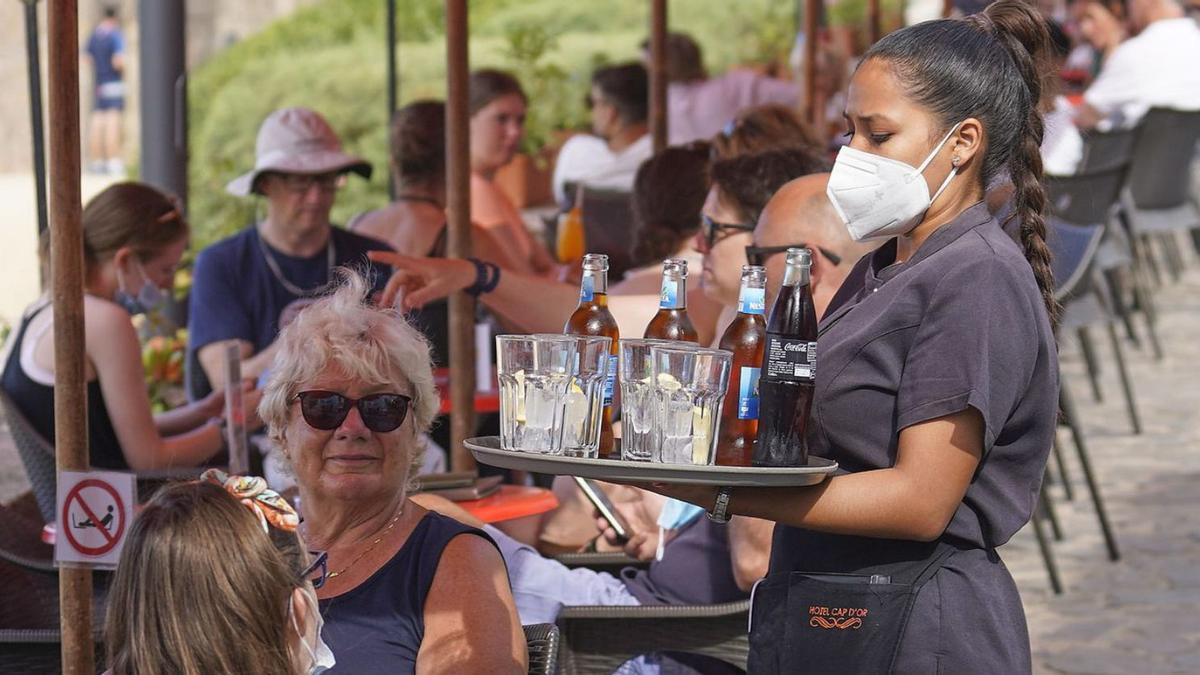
<point x="672" y="322"/>
<point x="744" y="337"/>
<point x="592" y="317"/>
<point x="789" y="368"/>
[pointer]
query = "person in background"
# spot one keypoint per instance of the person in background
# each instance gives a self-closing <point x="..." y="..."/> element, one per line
<point x="105" y="50"/>
<point x="1154" y="68"/>
<point x="699" y="106"/>
<point x="1062" y="144"/>
<point x="134" y="237"/>
<point x="349" y="393"/>
<point x="619" y="101"/>
<point x="214" y="579"/>
<point x="1101" y="25"/>
<point x="246" y="287"/>
<point x="763" y="128"/>
<point x="497" y="105"/>
<point x="667" y="195"/>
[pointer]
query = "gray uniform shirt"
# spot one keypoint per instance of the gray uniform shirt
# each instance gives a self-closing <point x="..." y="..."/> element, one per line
<point x="960" y="324"/>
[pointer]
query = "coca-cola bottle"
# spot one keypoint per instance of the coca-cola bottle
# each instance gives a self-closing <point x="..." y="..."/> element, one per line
<point x="592" y="317"/>
<point x="745" y="337"/>
<point x="672" y="322"/>
<point x="789" y="369"/>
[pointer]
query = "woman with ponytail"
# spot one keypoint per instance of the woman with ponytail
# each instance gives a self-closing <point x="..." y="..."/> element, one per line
<point x="937" y="381"/>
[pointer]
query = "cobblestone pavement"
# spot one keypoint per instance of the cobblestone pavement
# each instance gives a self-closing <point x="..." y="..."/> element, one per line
<point x="1138" y="615"/>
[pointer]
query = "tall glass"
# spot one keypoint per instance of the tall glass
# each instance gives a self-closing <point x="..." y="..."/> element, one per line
<point x="689" y="387"/>
<point x="534" y="372"/>
<point x="637" y="398"/>
<point x="585" y="396"/>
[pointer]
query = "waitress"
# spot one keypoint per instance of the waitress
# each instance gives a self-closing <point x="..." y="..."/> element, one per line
<point x="937" y="381"/>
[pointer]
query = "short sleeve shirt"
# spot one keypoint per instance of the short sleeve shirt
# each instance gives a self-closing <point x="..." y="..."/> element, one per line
<point x="1155" y="68"/>
<point x="102" y="46"/>
<point x="959" y="325"/>
<point x="237" y="296"/>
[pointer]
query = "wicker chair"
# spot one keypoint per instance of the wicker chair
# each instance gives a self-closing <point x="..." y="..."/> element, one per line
<point x="600" y="639"/>
<point x="541" y="640"/>
<point x="38" y="652"/>
<point x="612" y="563"/>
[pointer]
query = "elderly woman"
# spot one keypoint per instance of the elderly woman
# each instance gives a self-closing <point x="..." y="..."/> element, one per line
<point x="407" y="590"/>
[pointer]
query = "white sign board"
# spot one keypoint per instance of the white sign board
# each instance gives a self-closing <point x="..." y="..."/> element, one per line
<point x="95" y="510"/>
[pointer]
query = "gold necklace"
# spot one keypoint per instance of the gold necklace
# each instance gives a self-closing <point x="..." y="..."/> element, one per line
<point x="370" y="548"/>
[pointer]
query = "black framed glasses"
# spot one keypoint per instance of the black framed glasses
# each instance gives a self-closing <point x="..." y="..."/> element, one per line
<point x="757" y="255"/>
<point x="326" y="410"/>
<point x="318" y="569"/>
<point x="715" y="231"/>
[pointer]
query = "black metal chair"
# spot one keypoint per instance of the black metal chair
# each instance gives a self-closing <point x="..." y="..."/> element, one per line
<point x="38" y="651"/>
<point x="541" y="640"/>
<point x="600" y="639"/>
<point x="1158" y="200"/>
<point x="1106" y="149"/>
<point x="609" y="228"/>
<point x="612" y="563"/>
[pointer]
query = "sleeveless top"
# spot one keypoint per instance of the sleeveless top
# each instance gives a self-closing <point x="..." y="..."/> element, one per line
<point x="378" y="626"/>
<point x="36" y="401"/>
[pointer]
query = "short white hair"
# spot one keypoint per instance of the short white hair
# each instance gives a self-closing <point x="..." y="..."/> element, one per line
<point x="344" y="330"/>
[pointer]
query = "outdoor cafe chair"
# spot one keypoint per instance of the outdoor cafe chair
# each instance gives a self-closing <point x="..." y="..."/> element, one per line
<point x="611" y="562"/>
<point x="541" y="642"/>
<point x="608" y="226"/>
<point x="37" y="456"/>
<point x="38" y="651"/>
<point x="1158" y="199"/>
<point x="1106" y="149"/>
<point x="599" y="639"/>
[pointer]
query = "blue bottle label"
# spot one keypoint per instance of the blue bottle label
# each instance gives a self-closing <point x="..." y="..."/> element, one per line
<point x="753" y="301"/>
<point x="669" y="297"/>
<point x="587" y="289"/>
<point x="610" y="382"/>
<point x="748" y="393"/>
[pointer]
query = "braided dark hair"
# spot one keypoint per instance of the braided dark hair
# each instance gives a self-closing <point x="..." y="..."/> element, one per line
<point x="991" y="66"/>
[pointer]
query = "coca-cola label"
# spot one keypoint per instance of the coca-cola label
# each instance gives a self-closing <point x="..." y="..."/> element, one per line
<point x="610" y="381"/>
<point x="587" y="289"/>
<point x="752" y="301"/>
<point x="789" y="359"/>
<point x="748" y="393"/>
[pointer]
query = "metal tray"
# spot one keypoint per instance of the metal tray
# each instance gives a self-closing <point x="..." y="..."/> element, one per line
<point x="486" y="450"/>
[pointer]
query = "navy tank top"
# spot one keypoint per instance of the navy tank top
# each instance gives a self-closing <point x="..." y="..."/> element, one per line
<point x="377" y="627"/>
<point x="36" y="401"/>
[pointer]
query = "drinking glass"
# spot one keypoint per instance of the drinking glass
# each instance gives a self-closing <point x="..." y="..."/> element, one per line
<point x="585" y="396"/>
<point x="534" y="373"/>
<point x="689" y="388"/>
<point x="637" y="398"/>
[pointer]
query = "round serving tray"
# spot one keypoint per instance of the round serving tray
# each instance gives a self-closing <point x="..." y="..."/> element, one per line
<point x="486" y="450"/>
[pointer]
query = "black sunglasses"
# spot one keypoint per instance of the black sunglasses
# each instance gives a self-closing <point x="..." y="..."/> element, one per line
<point x="326" y="410"/>
<point x="712" y="228"/>
<point x="757" y="255"/>
<point x="318" y="569"/>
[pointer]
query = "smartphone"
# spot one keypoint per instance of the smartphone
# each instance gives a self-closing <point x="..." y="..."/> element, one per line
<point x="600" y="500"/>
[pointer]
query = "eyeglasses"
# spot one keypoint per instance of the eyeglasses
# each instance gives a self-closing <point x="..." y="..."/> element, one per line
<point x="757" y="255"/>
<point x="300" y="183"/>
<point x="318" y="569"/>
<point x="326" y="410"/>
<point x="712" y="229"/>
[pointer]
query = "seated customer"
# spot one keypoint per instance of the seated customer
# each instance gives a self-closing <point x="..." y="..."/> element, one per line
<point x="134" y="237"/>
<point x="350" y="390"/>
<point x="619" y="102"/>
<point x="247" y="286"/>
<point x="213" y="579"/>
<point x="764" y="128"/>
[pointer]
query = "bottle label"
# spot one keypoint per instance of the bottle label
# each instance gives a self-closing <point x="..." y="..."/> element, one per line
<point x="610" y="382"/>
<point x="791" y="359"/>
<point x="669" y="297"/>
<point x="587" y="289"/>
<point x="748" y="393"/>
<point x="753" y="301"/>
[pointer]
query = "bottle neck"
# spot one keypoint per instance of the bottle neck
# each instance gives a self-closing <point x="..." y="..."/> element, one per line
<point x="594" y="286"/>
<point x="752" y="300"/>
<point x="796" y="275"/>
<point x="673" y="294"/>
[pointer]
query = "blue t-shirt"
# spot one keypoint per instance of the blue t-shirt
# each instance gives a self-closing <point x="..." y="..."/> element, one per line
<point x="102" y="46"/>
<point x="236" y="296"/>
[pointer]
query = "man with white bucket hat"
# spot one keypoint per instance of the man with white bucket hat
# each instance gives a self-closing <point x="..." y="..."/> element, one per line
<point x="246" y="287"/>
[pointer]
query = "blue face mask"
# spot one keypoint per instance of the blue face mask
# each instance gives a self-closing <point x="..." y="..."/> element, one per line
<point x="150" y="298"/>
<point x="676" y="514"/>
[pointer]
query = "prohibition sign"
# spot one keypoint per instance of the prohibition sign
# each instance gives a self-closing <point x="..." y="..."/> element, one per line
<point x="111" y="538"/>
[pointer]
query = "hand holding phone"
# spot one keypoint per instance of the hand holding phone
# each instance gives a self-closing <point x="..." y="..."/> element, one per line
<point x="605" y="507"/>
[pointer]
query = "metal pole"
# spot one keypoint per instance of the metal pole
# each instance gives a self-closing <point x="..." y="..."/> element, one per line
<point x="458" y="224"/>
<point x="658" y="74"/>
<point x="873" y="21"/>
<point x="66" y="255"/>
<point x="33" y="60"/>
<point x="163" y="57"/>
<point x="391" y="85"/>
<point x="812" y="11"/>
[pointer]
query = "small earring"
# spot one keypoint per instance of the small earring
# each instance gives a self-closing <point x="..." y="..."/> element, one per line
<point x="954" y="162"/>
